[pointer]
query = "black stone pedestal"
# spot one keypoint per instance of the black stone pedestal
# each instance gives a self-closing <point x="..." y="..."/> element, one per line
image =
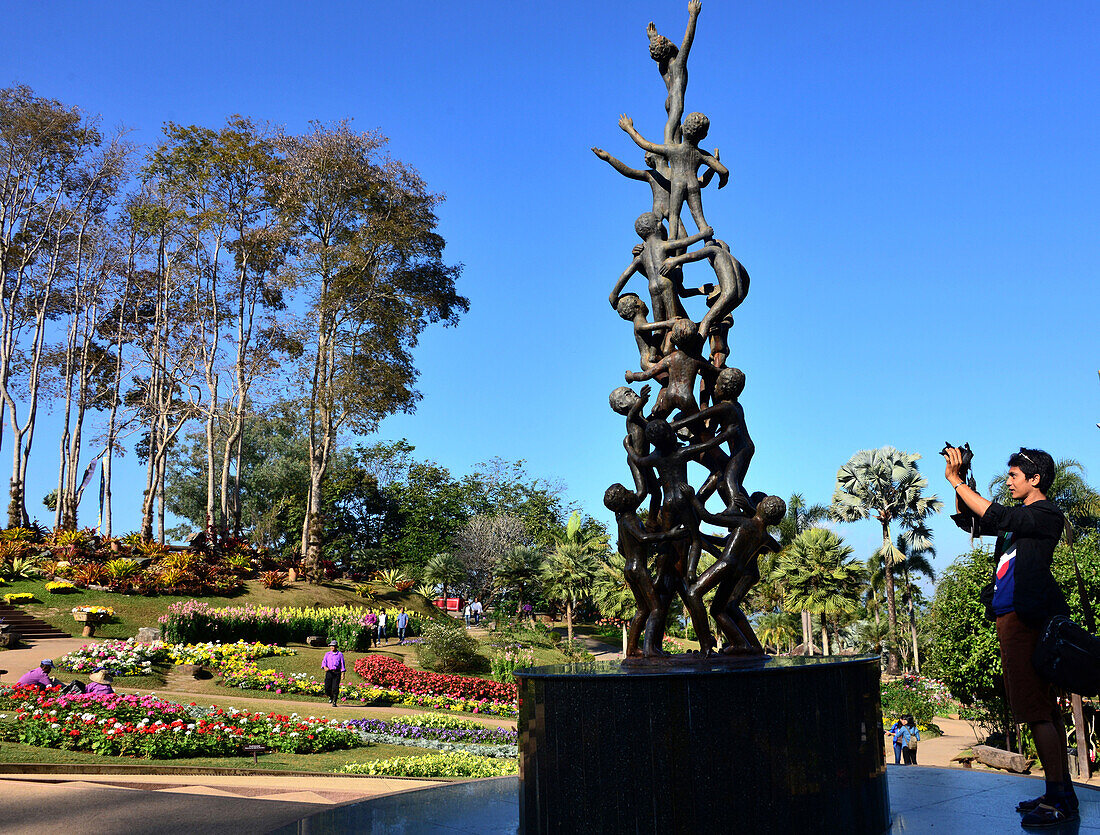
<point x="759" y="745"/>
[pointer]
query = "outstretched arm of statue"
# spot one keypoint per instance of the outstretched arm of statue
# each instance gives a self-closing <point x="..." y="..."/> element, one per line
<point x="694" y="7"/>
<point x="655" y="326"/>
<point x="670" y="264"/>
<point x="627" y="124"/>
<point x="619" y="165"/>
<point x="708" y="175"/>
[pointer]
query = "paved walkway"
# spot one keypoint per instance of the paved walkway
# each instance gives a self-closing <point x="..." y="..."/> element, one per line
<point x="141" y="804"/>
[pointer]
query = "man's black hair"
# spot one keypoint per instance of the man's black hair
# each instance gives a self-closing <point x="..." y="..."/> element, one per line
<point x="1034" y="462"/>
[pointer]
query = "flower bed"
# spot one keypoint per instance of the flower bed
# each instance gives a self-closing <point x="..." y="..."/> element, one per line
<point x="148" y="727"/>
<point x="215" y="654"/>
<point x="129" y="658"/>
<point x="445" y="733"/>
<point x="391" y="673"/>
<point x="18" y="597"/>
<point x="350" y="625"/>
<point x="120" y="658"/>
<point x="436" y="765"/>
<point x="249" y="676"/>
<point x="102" y="611"/>
<point x="61" y="587"/>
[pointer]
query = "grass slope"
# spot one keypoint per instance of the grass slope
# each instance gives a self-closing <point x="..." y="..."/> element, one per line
<point x="134" y="611"/>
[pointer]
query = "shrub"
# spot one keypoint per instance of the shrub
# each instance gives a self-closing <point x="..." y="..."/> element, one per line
<point x="122" y="568"/>
<point x="23" y="568"/>
<point x="273" y="579"/>
<point x="364" y="590"/>
<point x="447" y="648"/>
<point x="504" y="662"/>
<point x="60" y="587"/>
<point x="19" y="597"/>
<point x="922" y="698"/>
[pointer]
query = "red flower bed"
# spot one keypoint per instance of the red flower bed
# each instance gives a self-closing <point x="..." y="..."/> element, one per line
<point x="382" y="671"/>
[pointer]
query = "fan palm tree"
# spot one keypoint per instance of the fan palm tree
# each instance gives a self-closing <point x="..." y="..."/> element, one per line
<point x="570" y="571"/>
<point x="820" y="577"/>
<point x="914" y="560"/>
<point x="519" y="570"/>
<point x="886" y="484"/>
<point x="445" y="570"/>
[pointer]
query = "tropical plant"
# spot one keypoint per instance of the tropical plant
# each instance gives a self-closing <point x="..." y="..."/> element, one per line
<point x="820" y="577"/>
<point x="519" y="571"/>
<point x="886" y="484"/>
<point x="22" y="568"/>
<point x="425" y="590"/>
<point x="798" y="518"/>
<point x="913" y="560"/>
<point x="365" y="590"/>
<point x="777" y="629"/>
<point x="446" y="647"/>
<point x="122" y="568"/>
<point x="273" y="579"/>
<point x="612" y="594"/>
<point x="570" y="571"/>
<point x="445" y="570"/>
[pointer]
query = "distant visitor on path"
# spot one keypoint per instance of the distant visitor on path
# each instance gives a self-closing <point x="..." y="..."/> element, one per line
<point x="466" y="614"/>
<point x="382" y="627"/>
<point x="1021" y="597"/>
<point x="333" y="665"/>
<point x="899" y="733"/>
<point x="909" y="755"/>
<point x="402" y="624"/>
<point x="40" y="676"/>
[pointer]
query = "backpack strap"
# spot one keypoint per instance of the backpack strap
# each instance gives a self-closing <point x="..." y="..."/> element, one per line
<point x="1090" y="620"/>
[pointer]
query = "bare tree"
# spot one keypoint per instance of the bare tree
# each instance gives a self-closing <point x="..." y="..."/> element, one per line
<point x="486" y="541"/>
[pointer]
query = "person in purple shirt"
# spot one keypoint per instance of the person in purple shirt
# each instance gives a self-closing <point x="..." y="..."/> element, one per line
<point x="40" y="676"/>
<point x="99" y="683"/>
<point x="333" y="665"/>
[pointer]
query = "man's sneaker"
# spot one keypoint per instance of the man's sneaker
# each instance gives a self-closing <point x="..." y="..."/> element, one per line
<point x="1054" y="813"/>
<point x="1025" y="806"/>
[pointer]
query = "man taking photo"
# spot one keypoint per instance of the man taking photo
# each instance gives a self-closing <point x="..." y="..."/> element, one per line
<point x="1022" y="596"/>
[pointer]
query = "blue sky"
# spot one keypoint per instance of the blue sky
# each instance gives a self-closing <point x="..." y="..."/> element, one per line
<point x="913" y="191"/>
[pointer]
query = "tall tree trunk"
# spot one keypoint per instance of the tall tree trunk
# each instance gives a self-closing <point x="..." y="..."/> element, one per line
<point x="807" y="634"/>
<point x="892" y="666"/>
<point x="569" y="622"/>
<point x="824" y="637"/>
<point x="912" y="623"/>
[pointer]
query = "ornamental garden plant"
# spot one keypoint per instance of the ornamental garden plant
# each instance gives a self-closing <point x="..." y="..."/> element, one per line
<point x="384" y="671"/>
<point x="350" y="625"/>
<point x="151" y="728"/>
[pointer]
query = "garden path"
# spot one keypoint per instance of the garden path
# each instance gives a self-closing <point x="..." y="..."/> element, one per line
<point x="140" y="804"/>
<point x="18" y="661"/>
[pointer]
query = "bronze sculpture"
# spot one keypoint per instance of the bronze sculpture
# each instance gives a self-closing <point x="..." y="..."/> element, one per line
<point x="663" y="553"/>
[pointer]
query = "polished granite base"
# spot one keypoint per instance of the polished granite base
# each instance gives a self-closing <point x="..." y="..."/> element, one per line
<point x="942" y="801"/>
<point x="765" y="744"/>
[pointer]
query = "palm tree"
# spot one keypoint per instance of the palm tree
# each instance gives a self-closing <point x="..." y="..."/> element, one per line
<point x="799" y="517"/>
<point x="519" y="570"/>
<point x="570" y="571"/>
<point x="886" y="484"/>
<point x="820" y="577"/>
<point x="1069" y="490"/>
<point x="594" y="540"/>
<point x="612" y="594"/>
<point x="445" y="570"/>
<point x="913" y="560"/>
<point x="776" y="629"/>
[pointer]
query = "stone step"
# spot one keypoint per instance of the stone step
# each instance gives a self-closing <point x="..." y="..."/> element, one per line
<point x="28" y="626"/>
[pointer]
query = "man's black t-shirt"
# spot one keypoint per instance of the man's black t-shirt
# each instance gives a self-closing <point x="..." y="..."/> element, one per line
<point x="1032" y="531"/>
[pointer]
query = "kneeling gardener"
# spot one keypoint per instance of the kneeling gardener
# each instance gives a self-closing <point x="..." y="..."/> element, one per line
<point x="333" y="665"/>
<point x="1021" y="598"/>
